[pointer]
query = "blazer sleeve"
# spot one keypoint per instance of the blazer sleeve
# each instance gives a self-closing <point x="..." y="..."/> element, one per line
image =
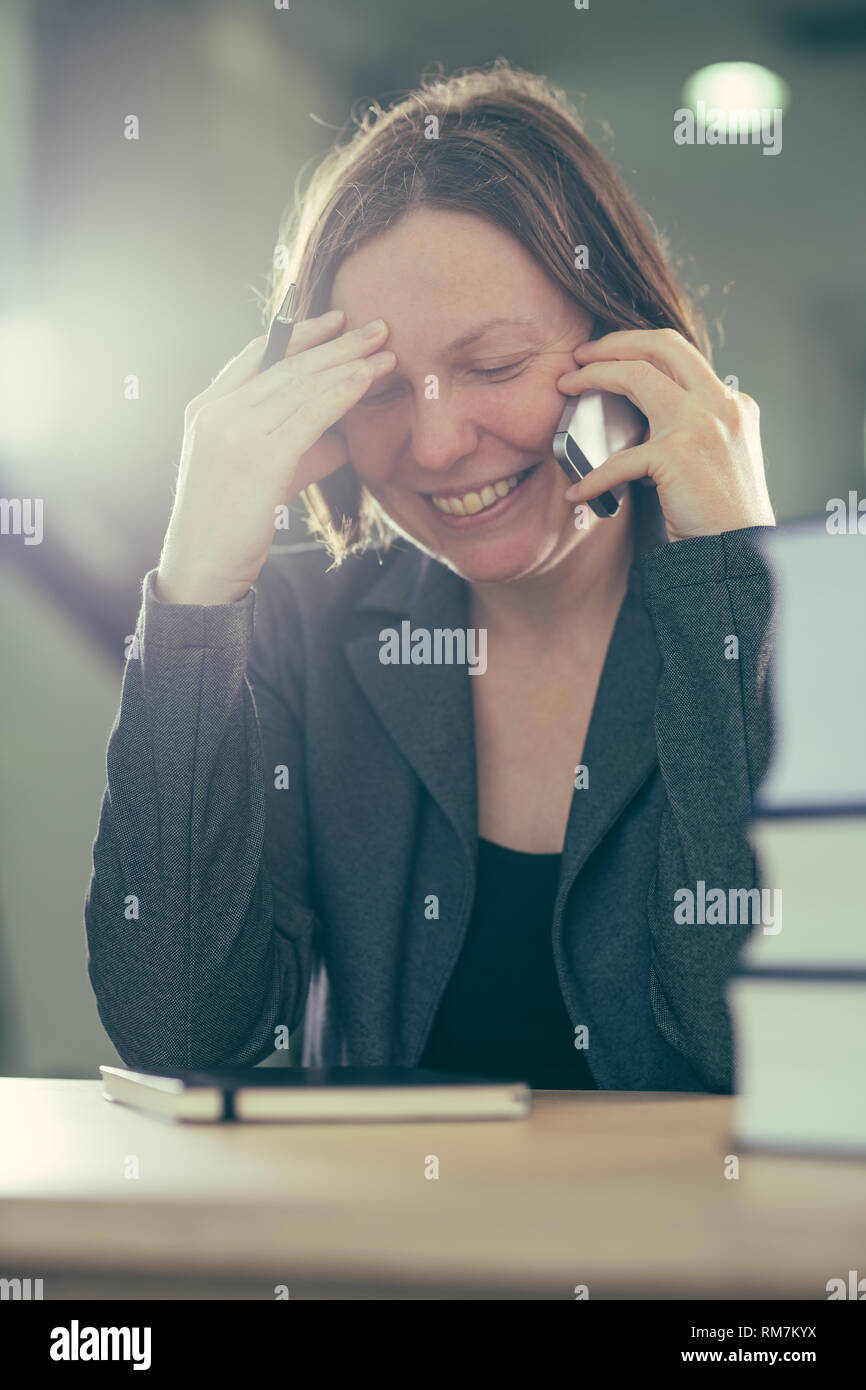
<point x="710" y="602"/>
<point x="197" y="917"/>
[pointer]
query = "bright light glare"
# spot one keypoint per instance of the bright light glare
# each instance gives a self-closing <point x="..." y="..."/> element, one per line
<point x="737" y="87"/>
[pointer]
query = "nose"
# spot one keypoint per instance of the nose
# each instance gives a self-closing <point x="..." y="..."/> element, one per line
<point x="442" y="434"/>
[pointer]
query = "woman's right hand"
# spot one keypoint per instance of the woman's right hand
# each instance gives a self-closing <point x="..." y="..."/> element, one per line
<point x="251" y="443"/>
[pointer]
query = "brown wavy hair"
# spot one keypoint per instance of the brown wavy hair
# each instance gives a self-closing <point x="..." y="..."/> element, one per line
<point x="511" y="148"/>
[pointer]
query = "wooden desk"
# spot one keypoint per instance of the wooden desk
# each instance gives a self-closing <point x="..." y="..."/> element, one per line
<point x="624" y="1192"/>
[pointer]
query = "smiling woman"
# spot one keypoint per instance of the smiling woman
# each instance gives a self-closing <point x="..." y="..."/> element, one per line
<point x="419" y="867"/>
<point x="432" y="466"/>
<point x="508" y="149"/>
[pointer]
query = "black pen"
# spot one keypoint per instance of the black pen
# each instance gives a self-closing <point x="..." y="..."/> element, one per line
<point x="280" y="332"/>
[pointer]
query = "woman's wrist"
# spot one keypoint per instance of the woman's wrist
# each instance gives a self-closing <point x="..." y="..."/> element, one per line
<point x="198" y="590"/>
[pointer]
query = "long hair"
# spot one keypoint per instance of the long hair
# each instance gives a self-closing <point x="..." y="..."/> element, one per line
<point x="503" y="144"/>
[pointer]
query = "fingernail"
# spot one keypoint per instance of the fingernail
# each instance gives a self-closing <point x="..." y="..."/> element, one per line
<point x="372" y="330"/>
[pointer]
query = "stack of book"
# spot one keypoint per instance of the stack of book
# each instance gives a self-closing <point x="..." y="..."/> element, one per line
<point x="798" y="1007"/>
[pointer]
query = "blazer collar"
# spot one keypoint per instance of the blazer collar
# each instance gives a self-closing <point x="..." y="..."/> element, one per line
<point x="620" y="750"/>
<point x="427" y="710"/>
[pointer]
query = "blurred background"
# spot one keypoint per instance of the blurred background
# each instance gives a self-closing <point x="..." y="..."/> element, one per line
<point x="147" y="259"/>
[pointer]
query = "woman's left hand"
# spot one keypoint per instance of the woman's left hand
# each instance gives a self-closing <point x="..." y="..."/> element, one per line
<point x="703" y="447"/>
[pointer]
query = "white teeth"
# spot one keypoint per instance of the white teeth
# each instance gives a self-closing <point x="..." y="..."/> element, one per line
<point x="472" y="502"/>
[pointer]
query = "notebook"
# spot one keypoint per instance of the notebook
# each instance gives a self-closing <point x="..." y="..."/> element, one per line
<point x="327" y="1094"/>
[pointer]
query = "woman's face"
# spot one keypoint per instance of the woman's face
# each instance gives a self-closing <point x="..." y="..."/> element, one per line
<point x="456" y="442"/>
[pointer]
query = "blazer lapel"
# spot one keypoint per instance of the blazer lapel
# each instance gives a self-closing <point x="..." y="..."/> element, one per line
<point x="426" y="709"/>
<point x="620" y="750"/>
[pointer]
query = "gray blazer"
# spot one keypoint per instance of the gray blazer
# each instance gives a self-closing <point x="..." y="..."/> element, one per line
<point x="225" y="904"/>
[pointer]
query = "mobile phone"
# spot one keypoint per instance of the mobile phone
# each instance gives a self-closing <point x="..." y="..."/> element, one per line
<point x="593" y="426"/>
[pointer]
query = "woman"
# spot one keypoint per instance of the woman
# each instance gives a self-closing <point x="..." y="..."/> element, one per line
<point x="469" y="862"/>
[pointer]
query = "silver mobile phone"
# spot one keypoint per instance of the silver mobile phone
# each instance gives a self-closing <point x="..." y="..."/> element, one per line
<point x="591" y="428"/>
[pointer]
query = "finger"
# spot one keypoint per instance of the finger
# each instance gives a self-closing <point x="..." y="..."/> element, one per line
<point x="664" y="348"/>
<point x="235" y="372"/>
<point x="269" y="414"/>
<point x="623" y="467"/>
<point x="307" y="332"/>
<point x="317" y="402"/>
<point x="245" y="367"/>
<point x="649" y="389"/>
<point x="347" y="347"/>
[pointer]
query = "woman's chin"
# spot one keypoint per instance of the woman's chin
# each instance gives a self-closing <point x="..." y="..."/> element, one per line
<point x="517" y="551"/>
<point x="495" y="562"/>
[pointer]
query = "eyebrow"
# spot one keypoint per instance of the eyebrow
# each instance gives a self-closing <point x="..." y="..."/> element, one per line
<point x="466" y="339"/>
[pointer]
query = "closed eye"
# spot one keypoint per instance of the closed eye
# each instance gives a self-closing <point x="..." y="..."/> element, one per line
<point x="500" y="373"/>
<point x="503" y="373"/>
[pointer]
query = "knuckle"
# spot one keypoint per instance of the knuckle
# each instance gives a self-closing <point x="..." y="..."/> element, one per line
<point x="718" y="426"/>
<point x="218" y="423"/>
<point x="643" y="371"/>
<point x="207" y="414"/>
<point x="728" y="415"/>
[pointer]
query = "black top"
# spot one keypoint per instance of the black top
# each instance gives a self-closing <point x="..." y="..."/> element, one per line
<point x="502" y="1013"/>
